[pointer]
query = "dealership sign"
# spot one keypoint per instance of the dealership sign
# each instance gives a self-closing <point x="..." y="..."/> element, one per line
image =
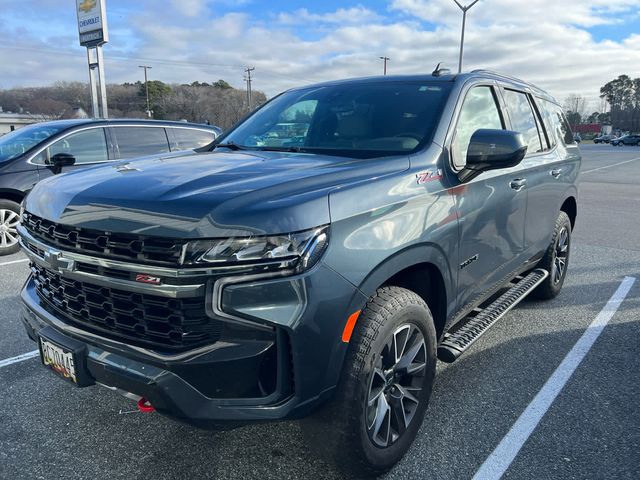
<point x="92" y="22"/>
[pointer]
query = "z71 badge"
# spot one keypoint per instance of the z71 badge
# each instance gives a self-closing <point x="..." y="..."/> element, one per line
<point x="141" y="277"/>
<point x="428" y="176"/>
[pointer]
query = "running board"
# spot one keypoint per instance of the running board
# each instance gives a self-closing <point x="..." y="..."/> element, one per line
<point x="479" y="321"/>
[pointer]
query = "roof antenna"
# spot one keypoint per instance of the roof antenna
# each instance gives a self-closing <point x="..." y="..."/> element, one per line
<point x="438" y="72"/>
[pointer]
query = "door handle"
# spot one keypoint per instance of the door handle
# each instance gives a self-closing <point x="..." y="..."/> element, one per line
<point x="518" y="183"/>
<point x="556" y="172"/>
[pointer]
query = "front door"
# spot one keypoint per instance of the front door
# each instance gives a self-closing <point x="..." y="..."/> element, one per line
<point x="88" y="146"/>
<point x="491" y="208"/>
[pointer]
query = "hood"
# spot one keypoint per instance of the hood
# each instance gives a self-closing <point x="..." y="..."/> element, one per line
<point x="212" y="194"/>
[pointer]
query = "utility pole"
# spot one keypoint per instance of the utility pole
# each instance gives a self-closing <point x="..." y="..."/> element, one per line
<point x="247" y="79"/>
<point x="146" y="87"/>
<point x="464" y="19"/>
<point x="385" y="60"/>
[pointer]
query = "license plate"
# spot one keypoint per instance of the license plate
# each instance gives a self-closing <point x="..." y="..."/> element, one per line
<point x="58" y="359"/>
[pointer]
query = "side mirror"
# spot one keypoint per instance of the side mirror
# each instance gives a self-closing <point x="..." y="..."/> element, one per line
<point x="60" y="160"/>
<point x="492" y="150"/>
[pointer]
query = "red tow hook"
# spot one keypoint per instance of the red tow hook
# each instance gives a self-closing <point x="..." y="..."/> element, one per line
<point x="145" y="406"/>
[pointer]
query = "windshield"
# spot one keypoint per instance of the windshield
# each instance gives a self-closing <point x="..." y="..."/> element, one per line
<point x="19" y="141"/>
<point x="353" y="119"/>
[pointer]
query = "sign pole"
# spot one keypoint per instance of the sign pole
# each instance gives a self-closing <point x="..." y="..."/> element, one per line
<point x="92" y="28"/>
<point x="103" y="85"/>
<point x="95" y="113"/>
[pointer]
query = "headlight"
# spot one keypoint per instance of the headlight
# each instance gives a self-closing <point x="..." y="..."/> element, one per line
<point x="300" y="250"/>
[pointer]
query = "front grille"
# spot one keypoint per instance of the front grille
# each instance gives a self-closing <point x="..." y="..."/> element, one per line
<point x="119" y="246"/>
<point x="140" y="319"/>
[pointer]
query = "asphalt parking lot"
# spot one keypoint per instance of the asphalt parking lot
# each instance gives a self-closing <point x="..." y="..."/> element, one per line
<point x="591" y="430"/>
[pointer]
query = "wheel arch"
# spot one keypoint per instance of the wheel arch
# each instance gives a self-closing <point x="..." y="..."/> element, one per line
<point x="13" y="195"/>
<point x="422" y="269"/>
<point x="570" y="207"/>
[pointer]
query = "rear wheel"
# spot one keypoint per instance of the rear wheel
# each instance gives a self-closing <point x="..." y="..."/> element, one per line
<point x="385" y="387"/>
<point x="9" y="219"/>
<point x="555" y="260"/>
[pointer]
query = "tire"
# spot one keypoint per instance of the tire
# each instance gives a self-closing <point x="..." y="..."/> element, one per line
<point x="9" y="218"/>
<point x="555" y="260"/>
<point x="347" y="432"/>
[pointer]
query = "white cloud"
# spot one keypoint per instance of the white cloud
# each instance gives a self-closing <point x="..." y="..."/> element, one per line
<point x="190" y="8"/>
<point x="357" y="14"/>
<point x="543" y="41"/>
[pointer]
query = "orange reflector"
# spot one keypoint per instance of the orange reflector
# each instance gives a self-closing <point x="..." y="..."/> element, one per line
<point x="348" y="328"/>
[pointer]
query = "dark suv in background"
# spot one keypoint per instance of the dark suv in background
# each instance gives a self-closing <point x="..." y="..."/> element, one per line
<point x="38" y="151"/>
<point x="315" y="263"/>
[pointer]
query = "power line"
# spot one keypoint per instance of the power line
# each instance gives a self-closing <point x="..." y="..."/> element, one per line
<point x="146" y="87"/>
<point x="247" y="79"/>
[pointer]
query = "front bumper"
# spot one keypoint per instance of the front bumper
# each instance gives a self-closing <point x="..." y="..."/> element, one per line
<point x="296" y="364"/>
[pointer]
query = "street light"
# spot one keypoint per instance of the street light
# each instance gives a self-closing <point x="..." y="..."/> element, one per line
<point x="385" y="60"/>
<point x="464" y="19"/>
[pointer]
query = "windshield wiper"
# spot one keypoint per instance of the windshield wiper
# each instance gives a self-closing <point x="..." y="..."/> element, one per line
<point x="230" y="146"/>
<point x="281" y="149"/>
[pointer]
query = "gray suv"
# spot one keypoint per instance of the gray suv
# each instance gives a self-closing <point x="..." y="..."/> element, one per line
<point x="315" y="263"/>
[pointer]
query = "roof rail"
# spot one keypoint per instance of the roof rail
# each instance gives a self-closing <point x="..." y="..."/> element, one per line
<point x="508" y="77"/>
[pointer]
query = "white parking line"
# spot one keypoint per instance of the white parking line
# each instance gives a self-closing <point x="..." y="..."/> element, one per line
<point x="19" y="358"/>
<point x="14" y="261"/>
<point x="497" y="463"/>
<point x="614" y="165"/>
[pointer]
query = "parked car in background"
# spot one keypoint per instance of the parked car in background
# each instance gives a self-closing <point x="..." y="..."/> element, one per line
<point x="38" y="151"/>
<point x="626" y="140"/>
<point x="604" y="139"/>
<point x="577" y="138"/>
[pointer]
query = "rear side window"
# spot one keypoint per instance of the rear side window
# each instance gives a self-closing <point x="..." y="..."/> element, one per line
<point x="559" y="123"/>
<point x="140" y="141"/>
<point x="547" y="118"/>
<point x="187" y="138"/>
<point x="523" y="119"/>
<point x="479" y="110"/>
<point x="87" y="146"/>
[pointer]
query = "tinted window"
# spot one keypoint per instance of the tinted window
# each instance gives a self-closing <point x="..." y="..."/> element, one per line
<point x="479" y="110"/>
<point x="559" y="123"/>
<point x="140" y="141"/>
<point x="547" y="117"/>
<point x="350" y="119"/>
<point x="186" y="138"/>
<point x="87" y="146"/>
<point x="19" y="141"/>
<point x="522" y="119"/>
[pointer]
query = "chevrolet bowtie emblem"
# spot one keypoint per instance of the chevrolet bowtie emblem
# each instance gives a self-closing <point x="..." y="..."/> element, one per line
<point x="57" y="262"/>
<point x="87" y="5"/>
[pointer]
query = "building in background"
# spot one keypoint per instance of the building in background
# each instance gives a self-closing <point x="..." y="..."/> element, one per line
<point x="12" y="121"/>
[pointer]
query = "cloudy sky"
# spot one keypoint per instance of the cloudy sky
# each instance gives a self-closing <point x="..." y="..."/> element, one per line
<point x="564" y="46"/>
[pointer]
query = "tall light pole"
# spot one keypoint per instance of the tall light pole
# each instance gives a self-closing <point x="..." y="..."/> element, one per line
<point x="146" y="87"/>
<point x="385" y="60"/>
<point x="464" y="19"/>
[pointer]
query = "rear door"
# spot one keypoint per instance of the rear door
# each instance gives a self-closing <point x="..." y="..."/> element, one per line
<point x="546" y="170"/>
<point x="491" y="211"/>
<point x="138" y="141"/>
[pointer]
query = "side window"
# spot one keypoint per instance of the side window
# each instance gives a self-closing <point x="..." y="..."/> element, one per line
<point x="479" y="110"/>
<point x="187" y="138"/>
<point x="547" y="118"/>
<point x="87" y="146"/>
<point x="140" y="141"/>
<point x="522" y="119"/>
<point x="558" y="123"/>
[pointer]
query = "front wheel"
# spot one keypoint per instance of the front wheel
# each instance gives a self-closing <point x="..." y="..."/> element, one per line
<point x="555" y="260"/>
<point x="385" y="386"/>
<point x="9" y="219"/>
